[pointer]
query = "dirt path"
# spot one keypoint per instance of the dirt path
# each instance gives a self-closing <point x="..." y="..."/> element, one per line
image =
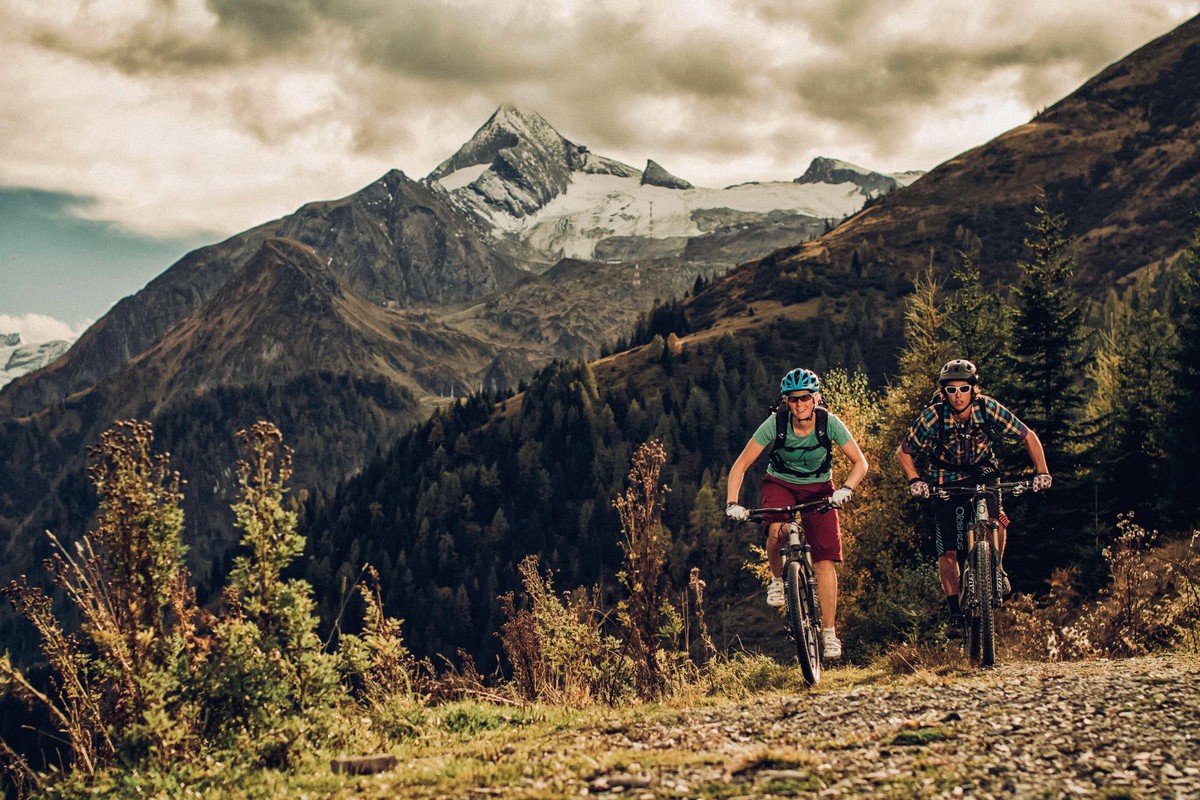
<point x="1113" y="729"/>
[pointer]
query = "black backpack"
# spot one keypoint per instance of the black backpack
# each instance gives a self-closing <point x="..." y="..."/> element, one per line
<point x="783" y="423"/>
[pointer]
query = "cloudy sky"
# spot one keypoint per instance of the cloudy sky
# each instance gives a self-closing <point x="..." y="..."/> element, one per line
<point x="135" y="130"/>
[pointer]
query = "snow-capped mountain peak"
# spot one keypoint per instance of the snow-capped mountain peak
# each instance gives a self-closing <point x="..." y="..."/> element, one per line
<point x="18" y="357"/>
<point x="521" y="177"/>
<point x="507" y="127"/>
<point x="516" y="163"/>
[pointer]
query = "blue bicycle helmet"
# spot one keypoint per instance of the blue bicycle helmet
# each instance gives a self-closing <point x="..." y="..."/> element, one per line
<point x="800" y="380"/>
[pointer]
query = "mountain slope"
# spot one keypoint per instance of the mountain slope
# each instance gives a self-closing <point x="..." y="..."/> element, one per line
<point x="284" y="340"/>
<point x="394" y="242"/>
<point x="283" y="313"/>
<point x="1117" y="157"/>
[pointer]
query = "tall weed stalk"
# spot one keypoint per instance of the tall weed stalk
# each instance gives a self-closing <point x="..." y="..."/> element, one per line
<point x="149" y="683"/>
<point x="645" y="544"/>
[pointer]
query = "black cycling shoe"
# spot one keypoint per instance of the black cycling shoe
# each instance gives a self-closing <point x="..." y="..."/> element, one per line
<point x="954" y="626"/>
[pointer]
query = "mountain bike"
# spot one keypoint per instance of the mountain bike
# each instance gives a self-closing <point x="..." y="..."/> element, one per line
<point x="800" y="586"/>
<point x="980" y="592"/>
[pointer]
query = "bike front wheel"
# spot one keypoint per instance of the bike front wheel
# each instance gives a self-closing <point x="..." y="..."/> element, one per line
<point x="802" y="624"/>
<point x="984" y="625"/>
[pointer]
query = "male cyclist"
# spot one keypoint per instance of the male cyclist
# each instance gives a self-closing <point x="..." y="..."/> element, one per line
<point x="958" y="431"/>
<point x="799" y="470"/>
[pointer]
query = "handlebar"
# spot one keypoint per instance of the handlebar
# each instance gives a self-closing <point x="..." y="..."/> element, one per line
<point x="1016" y="487"/>
<point x="819" y="506"/>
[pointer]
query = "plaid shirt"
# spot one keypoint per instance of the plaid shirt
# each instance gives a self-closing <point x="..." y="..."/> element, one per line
<point x="958" y="449"/>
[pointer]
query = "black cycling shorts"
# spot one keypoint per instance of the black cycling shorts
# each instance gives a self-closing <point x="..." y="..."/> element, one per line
<point x="952" y="516"/>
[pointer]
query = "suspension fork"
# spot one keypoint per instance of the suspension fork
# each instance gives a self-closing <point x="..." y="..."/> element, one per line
<point x="989" y="529"/>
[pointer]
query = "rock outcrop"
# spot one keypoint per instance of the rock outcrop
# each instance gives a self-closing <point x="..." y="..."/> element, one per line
<point x="655" y="175"/>
<point x="830" y="170"/>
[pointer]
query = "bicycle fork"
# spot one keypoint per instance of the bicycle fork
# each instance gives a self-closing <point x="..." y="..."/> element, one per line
<point x="798" y="550"/>
<point x="968" y="590"/>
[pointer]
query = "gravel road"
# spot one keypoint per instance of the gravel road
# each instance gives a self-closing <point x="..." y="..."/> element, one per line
<point x="1111" y="729"/>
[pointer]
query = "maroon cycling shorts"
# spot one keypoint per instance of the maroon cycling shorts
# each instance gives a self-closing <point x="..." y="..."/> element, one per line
<point x="822" y="531"/>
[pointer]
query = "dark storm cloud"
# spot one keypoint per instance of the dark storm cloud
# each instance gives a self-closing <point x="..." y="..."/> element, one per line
<point x="446" y="44"/>
<point x="277" y="23"/>
<point x="165" y="39"/>
<point x="587" y="75"/>
<point x="875" y="65"/>
<point x="145" y="48"/>
<point x="478" y="45"/>
<point x="611" y="56"/>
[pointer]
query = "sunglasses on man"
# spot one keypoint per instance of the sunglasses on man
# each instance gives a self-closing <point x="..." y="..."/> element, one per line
<point x="956" y="389"/>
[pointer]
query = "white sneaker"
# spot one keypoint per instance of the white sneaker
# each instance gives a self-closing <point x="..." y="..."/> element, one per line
<point x="832" y="645"/>
<point x="775" y="592"/>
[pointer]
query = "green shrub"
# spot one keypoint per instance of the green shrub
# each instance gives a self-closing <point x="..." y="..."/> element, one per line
<point x="1151" y="603"/>
<point x="121" y="691"/>
<point x="150" y="693"/>
<point x="558" y="651"/>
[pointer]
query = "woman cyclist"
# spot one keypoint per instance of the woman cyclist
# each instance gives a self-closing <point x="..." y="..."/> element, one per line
<point x="800" y="470"/>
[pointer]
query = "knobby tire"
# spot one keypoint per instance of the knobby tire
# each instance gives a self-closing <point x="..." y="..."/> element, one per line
<point x="985" y="589"/>
<point x="800" y="623"/>
<point x="971" y="620"/>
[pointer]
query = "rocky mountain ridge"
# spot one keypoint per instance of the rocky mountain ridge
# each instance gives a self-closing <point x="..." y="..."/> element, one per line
<point x="869" y="182"/>
<point x="528" y="163"/>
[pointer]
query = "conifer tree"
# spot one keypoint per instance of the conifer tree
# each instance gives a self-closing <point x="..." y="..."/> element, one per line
<point x="978" y="324"/>
<point x="1047" y="349"/>
<point x="1132" y="382"/>
<point x="1183" y="430"/>
<point x="924" y="353"/>
<point x="1047" y="360"/>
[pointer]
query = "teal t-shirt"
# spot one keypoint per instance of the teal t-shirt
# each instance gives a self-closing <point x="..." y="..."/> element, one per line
<point x="802" y="453"/>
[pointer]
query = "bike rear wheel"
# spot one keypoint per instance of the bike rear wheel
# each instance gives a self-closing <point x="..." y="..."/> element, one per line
<point x="801" y="622"/>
